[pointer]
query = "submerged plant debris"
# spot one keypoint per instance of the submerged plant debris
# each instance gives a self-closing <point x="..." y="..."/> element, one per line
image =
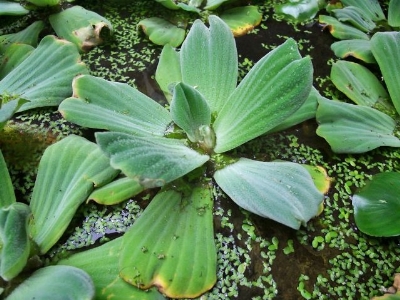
<point x="257" y="258"/>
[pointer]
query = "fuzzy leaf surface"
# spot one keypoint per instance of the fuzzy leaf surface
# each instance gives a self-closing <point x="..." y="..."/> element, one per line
<point x="13" y="56"/>
<point x="371" y="8"/>
<point x="174" y="251"/>
<point x="281" y="191"/>
<point x="29" y="36"/>
<point x="273" y="90"/>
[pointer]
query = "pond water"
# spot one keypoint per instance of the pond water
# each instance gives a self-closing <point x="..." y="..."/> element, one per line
<point x="257" y="258"/>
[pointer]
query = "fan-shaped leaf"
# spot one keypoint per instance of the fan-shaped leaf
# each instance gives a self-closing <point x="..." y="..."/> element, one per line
<point x="342" y="31"/>
<point x="360" y="49"/>
<point x="371" y="8"/>
<point x="242" y="19"/>
<point x="356" y="17"/>
<point x="162" y="32"/>
<point x="29" y="36"/>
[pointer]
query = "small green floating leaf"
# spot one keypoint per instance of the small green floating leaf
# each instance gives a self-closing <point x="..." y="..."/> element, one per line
<point x="44" y="77"/>
<point x="352" y="128"/>
<point x="12" y="9"/>
<point x="153" y="161"/>
<point x="241" y="19"/>
<point x="273" y="90"/>
<point x="360" y="49"/>
<point x="176" y="250"/>
<point x="282" y="191"/>
<point x="385" y="47"/>
<point x="46" y="283"/>
<point x="341" y="31"/>
<point x="14" y="239"/>
<point x="298" y="10"/>
<point x="130" y="112"/>
<point x="101" y="263"/>
<point x="63" y="184"/>
<point x="86" y="31"/>
<point x="356" y="17"/>
<point x="371" y="8"/>
<point x="394" y="13"/>
<point x="377" y="205"/>
<point x="162" y="32"/>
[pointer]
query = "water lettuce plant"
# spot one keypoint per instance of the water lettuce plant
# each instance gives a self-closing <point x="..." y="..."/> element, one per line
<point x="185" y="148"/>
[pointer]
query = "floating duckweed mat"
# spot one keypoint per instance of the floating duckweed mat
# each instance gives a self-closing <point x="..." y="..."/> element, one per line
<point x="257" y="258"/>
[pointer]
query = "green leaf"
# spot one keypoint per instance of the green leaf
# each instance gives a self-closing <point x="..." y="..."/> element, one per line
<point x="116" y="191"/>
<point x="86" y="31"/>
<point x="320" y="177"/>
<point x="129" y="111"/>
<point x="44" y="78"/>
<point x="8" y="109"/>
<point x="176" y="250"/>
<point x="15" y="244"/>
<point x="371" y="8"/>
<point x="377" y="205"/>
<point x="62" y="184"/>
<point x="12" y="9"/>
<point x="352" y="128"/>
<point x="13" y="56"/>
<point x="153" y="161"/>
<point x="359" y="84"/>
<point x="45" y="2"/>
<point x="242" y="19"/>
<point x="7" y="196"/>
<point x="299" y="11"/>
<point x="394" y="13"/>
<point x="55" y="282"/>
<point x="214" y="4"/>
<point x="168" y="71"/>
<point x="29" y="36"/>
<point x="192" y="5"/>
<point x="385" y="47"/>
<point x="281" y="191"/>
<point x="360" y="49"/>
<point x="356" y="17"/>
<point x="341" y="31"/>
<point x="273" y="90"/>
<point x="305" y="112"/>
<point x="101" y="263"/>
<point x="214" y="50"/>
<point x="190" y="111"/>
<point x="162" y="32"/>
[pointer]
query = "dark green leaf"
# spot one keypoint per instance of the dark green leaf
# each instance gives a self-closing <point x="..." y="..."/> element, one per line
<point x="162" y="32"/>
<point x="299" y="11"/>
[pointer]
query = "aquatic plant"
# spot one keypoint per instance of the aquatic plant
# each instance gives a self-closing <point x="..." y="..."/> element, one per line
<point x="299" y="10"/>
<point x="182" y="149"/>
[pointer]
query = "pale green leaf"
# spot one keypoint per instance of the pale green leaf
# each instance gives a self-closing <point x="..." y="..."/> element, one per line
<point x="394" y="13"/>
<point x="68" y="172"/>
<point x="176" y="250"/>
<point x="190" y="111"/>
<point x="153" y="161"/>
<point x="360" y="49"/>
<point x="14" y="239"/>
<point x="12" y="9"/>
<point x="209" y="61"/>
<point x="29" y="36"/>
<point x="273" y="90"/>
<point x="86" y="31"/>
<point x="356" y="17"/>
<point x="352" y="128"/>
<point x="214" y="4"/>
<point x="162" y="32"/>
<point x="371" y="8"/>
<point x="13" y="56"/>
<point x="385" y="47"/>
<point x="242" y="19"/>
<point x="45" y="2"/>
<point x="102" y="104"/>
<point x="8" y="109"/>
<point x="55" y="283"/>
<point x="281" y="191"/>
<point x="298" y="10"/>
<point x="45" y="77"/>
<point x="7" y="196"/>
<point x="101" y="263"/>
<point x="340" y="30"/>
<point x="377" y="205"/>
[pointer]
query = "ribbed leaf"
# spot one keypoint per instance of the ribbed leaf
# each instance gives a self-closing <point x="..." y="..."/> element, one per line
<point x="214" y="4"/>
<point x="174" y="251"/>
<point x="15" y="244"/>
<point x="68" y="172"/>
<point x="55" y="282"/>
<point x="7" y="196"/>
<point x="394" y="13"/>
<point x="101" y="263"/>
<point x="153" y="161"/>
<point x="352" y="128"/>
<point x="360" y="49"/>
<point x="358" y="83"/>
<point x="385" y="47"/>
<point x="356" y="17"/>
<point x="86" y="31"/>
<point x="8" y="109"/>
<point x="162" y="32"/>
<point x="273" y="90"/>
<point x="209" y="61"/>
<point x="29" y="36"/>
<point x="377" y="205"/>
<point x="116" y="191"/>
<point x="281" y="191"/>
<point x="190" y="111"/>
<point x="242" y="19"/>
<point x="342" y="31"/>
<point x="371" y="8"/>
<point x="12" y="9"/>
<point x="45" y="77"/>
<point x="168" y="70"/>
<point x="102" y="104"/>
<point x="13" y="56"/>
